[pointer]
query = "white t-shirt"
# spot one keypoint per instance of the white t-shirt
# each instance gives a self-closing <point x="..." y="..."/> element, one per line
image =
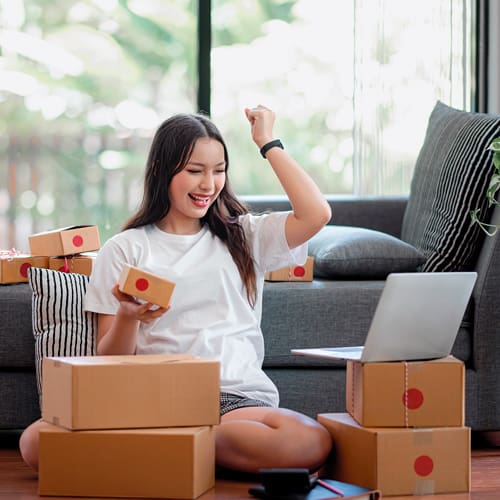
<point x="210" y="315"/>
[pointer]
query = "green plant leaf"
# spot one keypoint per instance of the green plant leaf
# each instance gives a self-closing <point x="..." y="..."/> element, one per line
<point x="495" y="145"/>
<point x="493" y="187"/>
<point x="496" y="161"/>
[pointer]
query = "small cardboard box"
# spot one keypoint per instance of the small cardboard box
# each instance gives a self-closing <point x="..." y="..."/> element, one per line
<point x="146" y="463"/>
<point x="293" y="273"/>
<point x="146" y="286"/>
<point x="407" y="394"/>
<point x="399" y="461"/>
<point x="80" y="264"/>
<point x="14" y="267"/>
<point x="65" y="241"/>
<point x="136" y="391"/>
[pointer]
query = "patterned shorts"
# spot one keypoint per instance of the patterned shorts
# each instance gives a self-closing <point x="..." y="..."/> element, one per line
<point x="230" y="402"/>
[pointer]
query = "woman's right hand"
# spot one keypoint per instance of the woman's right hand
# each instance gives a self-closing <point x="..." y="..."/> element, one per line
<point x="133" y="309"/>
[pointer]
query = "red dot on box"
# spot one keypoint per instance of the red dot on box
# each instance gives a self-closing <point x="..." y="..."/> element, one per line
<point x="77" y="240"/>
<point x="413" y="398"/>
<point x="24" y="269"/>
<point x="142" y="284"/>
<point x="423" y="465"/>
<point x="299" y="271"/>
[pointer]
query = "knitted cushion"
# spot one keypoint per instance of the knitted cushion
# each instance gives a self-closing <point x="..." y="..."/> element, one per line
<point x="451" y="176"/>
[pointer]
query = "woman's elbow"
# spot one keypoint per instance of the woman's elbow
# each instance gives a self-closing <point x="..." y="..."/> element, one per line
<point x="326" y="213"/>
<point x="323" y="215"/>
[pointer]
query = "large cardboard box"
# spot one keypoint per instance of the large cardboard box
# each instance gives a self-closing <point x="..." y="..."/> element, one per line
<point x="407" y="394"/>
<point x="65" y="241"/>
<point x="14" y="267"/>
<point x="80" y="263"/>
<point x="293" y="273"/>
<point x="399" y="461"/>
<point x="146" y="286"/>
<point x="118" y="392"/>
<point x="146" y="463"/>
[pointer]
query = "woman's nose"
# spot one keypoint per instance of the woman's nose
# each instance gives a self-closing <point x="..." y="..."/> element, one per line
<point x="207" y="182"/>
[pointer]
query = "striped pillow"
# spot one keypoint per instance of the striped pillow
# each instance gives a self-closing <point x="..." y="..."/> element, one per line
<point x="60" y="326"/>
<point x="451" y="176"/>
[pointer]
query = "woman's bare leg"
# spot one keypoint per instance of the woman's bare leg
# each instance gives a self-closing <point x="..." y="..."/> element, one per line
<point x="28" y="443"/>
<point x="248" y="439"/>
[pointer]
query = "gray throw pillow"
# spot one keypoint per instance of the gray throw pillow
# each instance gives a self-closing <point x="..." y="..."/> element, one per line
<point x="355" y="252"/>
<point x="451" y="176"/>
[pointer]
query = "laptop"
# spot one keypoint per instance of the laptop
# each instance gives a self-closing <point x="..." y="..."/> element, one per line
<point x="417" y="318"/>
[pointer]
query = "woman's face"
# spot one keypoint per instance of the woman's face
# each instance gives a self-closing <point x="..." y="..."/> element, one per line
<point x="196" y="187"/>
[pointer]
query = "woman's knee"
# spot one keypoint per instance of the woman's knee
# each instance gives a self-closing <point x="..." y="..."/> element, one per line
<point x="28" y="444"/>
<point x="304" y="441"/>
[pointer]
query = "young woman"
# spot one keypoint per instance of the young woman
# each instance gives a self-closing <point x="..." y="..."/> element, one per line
<point x="191" y="229"/>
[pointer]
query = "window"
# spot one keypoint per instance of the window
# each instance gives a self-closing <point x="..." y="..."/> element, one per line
<point x="84" y="84"/>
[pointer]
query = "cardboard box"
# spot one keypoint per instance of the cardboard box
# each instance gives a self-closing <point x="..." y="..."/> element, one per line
<point x="80" y="264"/>
<point x="14" y="266"/>
<point x="137" y="391"/>
<point x="399" y="461"/>
<point x="146" y="463"/>
<point x="293" y="273"/>
<point x="65" y="241"/>
<point x="146" y="286"/>
<point x="407" y="394"/>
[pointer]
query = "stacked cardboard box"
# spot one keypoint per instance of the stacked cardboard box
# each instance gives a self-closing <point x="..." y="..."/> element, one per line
<point x="14" y="266"/>
<point x="293" y="273"/>
<point x="128" y="426"/>
<point x="403" y="432"/>
<point x="69" y="249"/>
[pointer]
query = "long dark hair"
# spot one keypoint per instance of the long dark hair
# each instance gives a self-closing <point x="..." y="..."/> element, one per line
<point x="170" y="150"/>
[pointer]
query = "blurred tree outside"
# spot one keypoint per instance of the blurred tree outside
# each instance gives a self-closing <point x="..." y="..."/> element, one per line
<point x="84" y="84"/>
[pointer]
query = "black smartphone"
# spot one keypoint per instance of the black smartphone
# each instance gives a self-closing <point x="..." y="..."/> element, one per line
<point x="285" y="481"/>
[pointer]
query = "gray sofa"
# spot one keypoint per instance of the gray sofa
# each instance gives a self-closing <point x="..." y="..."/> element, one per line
<point x="321" y="312"/>
<point x="452" y="172"/>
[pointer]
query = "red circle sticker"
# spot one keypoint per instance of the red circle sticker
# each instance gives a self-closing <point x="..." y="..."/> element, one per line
<point x="24" y="269"/>
<point x="423" y="465"/>
<point x="142" y="284"/>
<point x="299" y="271"/>
<point x="413" y="398"/>
<point x="77" y="240"/>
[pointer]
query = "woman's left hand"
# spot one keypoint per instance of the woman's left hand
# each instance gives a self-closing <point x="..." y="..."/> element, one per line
<point x="262" y="121"/>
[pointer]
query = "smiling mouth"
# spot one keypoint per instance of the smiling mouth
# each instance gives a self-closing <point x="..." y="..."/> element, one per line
<point x="200" y="201"/>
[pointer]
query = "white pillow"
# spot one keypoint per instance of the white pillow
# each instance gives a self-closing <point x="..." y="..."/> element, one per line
<point x="60" y="326"/>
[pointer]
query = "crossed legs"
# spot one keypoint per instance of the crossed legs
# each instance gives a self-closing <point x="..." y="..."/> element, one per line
<point x="247" y="439"/>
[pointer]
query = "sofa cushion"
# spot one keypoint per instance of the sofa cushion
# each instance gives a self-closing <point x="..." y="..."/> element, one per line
<point x="16" y="339"/>
<point x="451" y="176"/>
<point x="60" y="326"/>
<point x="327" y="313"/>
<point x="355" y="252"/>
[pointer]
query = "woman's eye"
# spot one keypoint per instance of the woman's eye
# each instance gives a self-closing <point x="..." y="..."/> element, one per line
<point x="221" y="171"/>
<point x="193" y="171"/>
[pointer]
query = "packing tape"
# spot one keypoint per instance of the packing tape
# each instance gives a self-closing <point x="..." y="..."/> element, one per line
<point x="353" y="383"/>
<point x="422" y="436"/>
<point x="405" y="389"/>
<point x="424" y="487"/>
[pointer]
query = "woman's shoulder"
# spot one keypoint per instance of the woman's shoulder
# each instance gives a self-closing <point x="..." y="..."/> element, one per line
<point x="253" y="220"/>
<point x="127" y="237"/>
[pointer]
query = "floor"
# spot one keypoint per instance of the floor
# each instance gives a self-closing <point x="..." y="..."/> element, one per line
<point x="18" y="482"/>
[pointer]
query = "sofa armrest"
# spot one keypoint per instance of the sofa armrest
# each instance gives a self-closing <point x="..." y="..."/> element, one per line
<point x="381" y="213"/>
